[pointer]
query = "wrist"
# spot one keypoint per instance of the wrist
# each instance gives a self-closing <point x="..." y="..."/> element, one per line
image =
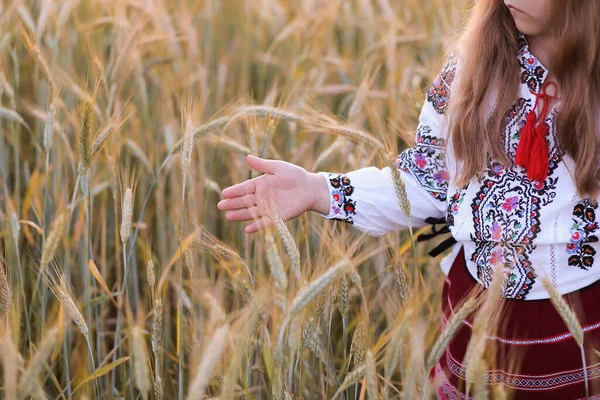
<point x="320" y="192"/>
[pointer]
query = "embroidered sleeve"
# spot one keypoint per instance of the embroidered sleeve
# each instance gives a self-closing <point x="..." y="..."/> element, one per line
<point x="426" y="162"/>
<point x="366" y="198"/>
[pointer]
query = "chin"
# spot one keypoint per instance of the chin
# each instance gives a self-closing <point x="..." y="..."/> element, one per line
<point x="528" y="29"/>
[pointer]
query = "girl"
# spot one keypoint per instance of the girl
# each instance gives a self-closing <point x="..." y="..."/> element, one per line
<point x="507" y="151"/>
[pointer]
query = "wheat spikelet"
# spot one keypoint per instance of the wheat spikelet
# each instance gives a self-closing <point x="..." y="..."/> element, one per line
<point x="267" y="141"/>
<point x="157" y="321"/>
<point x="15" y="226"/>
<point x="150" y="274"/>
<point x="48" y="133"/>
<point x="62" y="289"/>
<point x="316" y="286"/>
<point x="499" y="391"/>
<point x="342" y="297"/>
<point x="111" y="126"/>
<point x="416" y="371"/>
<point x="308" y="332"/>
<point x="357" y="347"/>
<point x="401" y="281"/>
<point x="356" y="279"/>
<point x="265" y="111"/>
<point x="209" y="243"/>
<point x="85" y="149"/>
<point x="188" y="260"/>
<point x="289" y="243"/>
<point x="141" y="372"/>
<point x="321" y="300"/>
<point x="28" y="382"/>
<point x="126" y="216"/>
<point x="306" y="295"/>
<point x="479" y="379"/>
<point x="5" y="292"/>
<point x="451" y="328"/>
<point x="565" y="311"/>
<point x="400" y="190"/>
<point x="53" y="239"/>
<point x="252" y="140"/>
<point x="371" y="377"/>
<point x="158" y="388"/>
<point x="188" y="147"/>
<point x="486" y="319"/>
<point x="211" y="356"/>
<point x="351" y="379"/>
<point x="275" y="263"/>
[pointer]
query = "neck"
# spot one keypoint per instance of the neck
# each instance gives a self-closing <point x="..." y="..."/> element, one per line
<point x="540" y="46"/>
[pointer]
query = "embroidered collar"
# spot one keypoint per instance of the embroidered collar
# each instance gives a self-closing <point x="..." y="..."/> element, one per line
<point x="533" y="72"/>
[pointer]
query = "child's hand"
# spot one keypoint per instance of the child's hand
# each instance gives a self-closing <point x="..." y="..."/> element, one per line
<point x="288" y="188"/>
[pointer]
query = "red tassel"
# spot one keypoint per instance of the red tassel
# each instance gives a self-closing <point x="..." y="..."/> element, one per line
<point x="527" y="135"/>
<point x="537" y="170"/>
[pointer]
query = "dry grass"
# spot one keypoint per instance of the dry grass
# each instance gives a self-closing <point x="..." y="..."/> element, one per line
<point x="99" y="101"/>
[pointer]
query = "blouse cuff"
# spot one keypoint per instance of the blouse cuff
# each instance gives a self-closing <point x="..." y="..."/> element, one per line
<point x="342" y="205"/>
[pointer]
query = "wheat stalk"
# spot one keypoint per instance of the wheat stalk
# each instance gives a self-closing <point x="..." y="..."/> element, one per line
<point x="28" y="381"/>
<point x="12" y="363"/>
<point x="15" y="226"/>
<point x="371" y="377"/>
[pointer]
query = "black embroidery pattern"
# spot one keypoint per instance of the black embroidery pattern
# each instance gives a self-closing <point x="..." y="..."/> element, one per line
<point x="341" y="201"/>
<point x="426" y="162"/>
<point x="532" y="72"/>
<point x="454" y="203"/>
<point x="439" y="91"/>
<point x="581" y="253"/>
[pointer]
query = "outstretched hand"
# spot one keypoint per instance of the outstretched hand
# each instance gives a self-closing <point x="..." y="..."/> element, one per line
<point x="285" y="189"/>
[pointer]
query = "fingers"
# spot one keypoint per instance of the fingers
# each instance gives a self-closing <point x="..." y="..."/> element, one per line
<point x="236" y="203"/>
<point x="240" y="189"/>
<point x="262" y="165"/>
<point x="245" y="214"/>
<point x="258" y="225"/>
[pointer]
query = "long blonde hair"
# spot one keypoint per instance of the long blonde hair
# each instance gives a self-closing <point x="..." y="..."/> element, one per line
<point x="490" y="74"/>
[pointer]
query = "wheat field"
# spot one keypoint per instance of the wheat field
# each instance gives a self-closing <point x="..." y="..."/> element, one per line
<point x="122" y="120"/>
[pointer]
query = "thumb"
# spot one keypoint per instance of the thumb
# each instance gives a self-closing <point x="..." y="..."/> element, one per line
<point x="262" y="165"/>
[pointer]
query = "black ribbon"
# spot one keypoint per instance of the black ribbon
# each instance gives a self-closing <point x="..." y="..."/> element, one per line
<point x="443" y="246"/>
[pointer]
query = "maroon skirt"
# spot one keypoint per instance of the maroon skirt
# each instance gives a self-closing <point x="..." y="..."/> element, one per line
<point x="549" y="364"/>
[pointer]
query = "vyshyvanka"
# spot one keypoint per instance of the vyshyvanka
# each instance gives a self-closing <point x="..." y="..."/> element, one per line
<point x="526" y="216"/>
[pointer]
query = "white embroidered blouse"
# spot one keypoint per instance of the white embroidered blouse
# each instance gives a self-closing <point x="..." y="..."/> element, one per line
<point x="534" y="228"/>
